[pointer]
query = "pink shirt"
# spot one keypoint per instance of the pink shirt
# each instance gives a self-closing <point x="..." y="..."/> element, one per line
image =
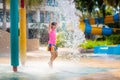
<point x="52" y="37"/>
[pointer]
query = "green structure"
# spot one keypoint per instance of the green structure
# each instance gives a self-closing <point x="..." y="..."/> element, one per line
<point x="14" y="39"/>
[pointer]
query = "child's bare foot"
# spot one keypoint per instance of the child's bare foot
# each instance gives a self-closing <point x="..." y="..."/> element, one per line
<point x="50" y="64"/>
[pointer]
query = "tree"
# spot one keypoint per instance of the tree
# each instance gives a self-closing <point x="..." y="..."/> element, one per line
<point x="5" y="3"/>
<point x="4" y="15"/>
<point x="89" y="6"/>
<point x="34" y="3"/>
<point x="113" y="3"/>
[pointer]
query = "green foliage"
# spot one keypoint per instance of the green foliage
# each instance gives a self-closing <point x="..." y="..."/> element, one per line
<point x="89" y="44"/>
<point x="34" y="3"/>
<point x="113" y="3"/>
<point x="110" y="40"/>
<point x="60" y="39"/>
<point x="90" y="6"/>
<point x="29" y="3"/>
<point x="115" y="38"/>
<point x="109" y="11"/>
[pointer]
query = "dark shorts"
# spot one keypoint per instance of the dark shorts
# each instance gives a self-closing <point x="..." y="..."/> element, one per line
<point x="52" y="47"/>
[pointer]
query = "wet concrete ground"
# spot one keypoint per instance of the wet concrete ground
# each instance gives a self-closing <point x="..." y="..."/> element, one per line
<point x="66" y="67"/>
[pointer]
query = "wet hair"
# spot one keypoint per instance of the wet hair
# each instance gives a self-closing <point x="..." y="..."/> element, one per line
<point x="53" y="23"/>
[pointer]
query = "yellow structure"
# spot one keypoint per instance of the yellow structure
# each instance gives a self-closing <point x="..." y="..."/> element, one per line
<point x="82" y="25"/>
<point x="22" y="35"/>
<point x="109" y="19"/>
<point x="92" y="21"/>
<point x="96" y="30"/>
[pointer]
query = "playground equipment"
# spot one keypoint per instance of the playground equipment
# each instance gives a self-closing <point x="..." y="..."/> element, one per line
<point x="87" y="25"/>
<point x="22" y="33"/>
<point x="114" y="50"/>
<point x="14" y="39"/>
<point x="14" y="34"/>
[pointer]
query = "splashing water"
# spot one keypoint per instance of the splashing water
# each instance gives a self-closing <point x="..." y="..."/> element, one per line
<point x="40" y="71"/>
<point x="75" y="35"/>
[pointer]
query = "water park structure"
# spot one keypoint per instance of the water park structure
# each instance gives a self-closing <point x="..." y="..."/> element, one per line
<point x="14" y="39"/>
<point x="97" y="25"/>
<point x="92" y="26"/>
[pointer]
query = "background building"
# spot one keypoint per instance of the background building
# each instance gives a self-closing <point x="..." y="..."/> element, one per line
<point x="38" y="18"/>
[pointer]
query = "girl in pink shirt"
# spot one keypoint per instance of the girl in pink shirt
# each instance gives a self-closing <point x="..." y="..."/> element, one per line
<point x="52" y="42"/>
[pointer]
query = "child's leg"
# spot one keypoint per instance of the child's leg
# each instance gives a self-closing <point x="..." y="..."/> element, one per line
<point x="53" y="57"/>
<point x="56" y="54"/>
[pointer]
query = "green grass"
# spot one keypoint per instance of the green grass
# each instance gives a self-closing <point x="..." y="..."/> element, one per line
<point x="89" y="44"/>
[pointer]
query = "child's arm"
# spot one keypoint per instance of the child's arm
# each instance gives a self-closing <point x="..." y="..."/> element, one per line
<point x="49" y="28"/>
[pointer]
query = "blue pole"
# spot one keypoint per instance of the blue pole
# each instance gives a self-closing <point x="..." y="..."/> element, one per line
<point x="14" y="34"/>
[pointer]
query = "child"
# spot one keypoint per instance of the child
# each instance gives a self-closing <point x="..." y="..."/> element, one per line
<point x="52" y="42"/>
